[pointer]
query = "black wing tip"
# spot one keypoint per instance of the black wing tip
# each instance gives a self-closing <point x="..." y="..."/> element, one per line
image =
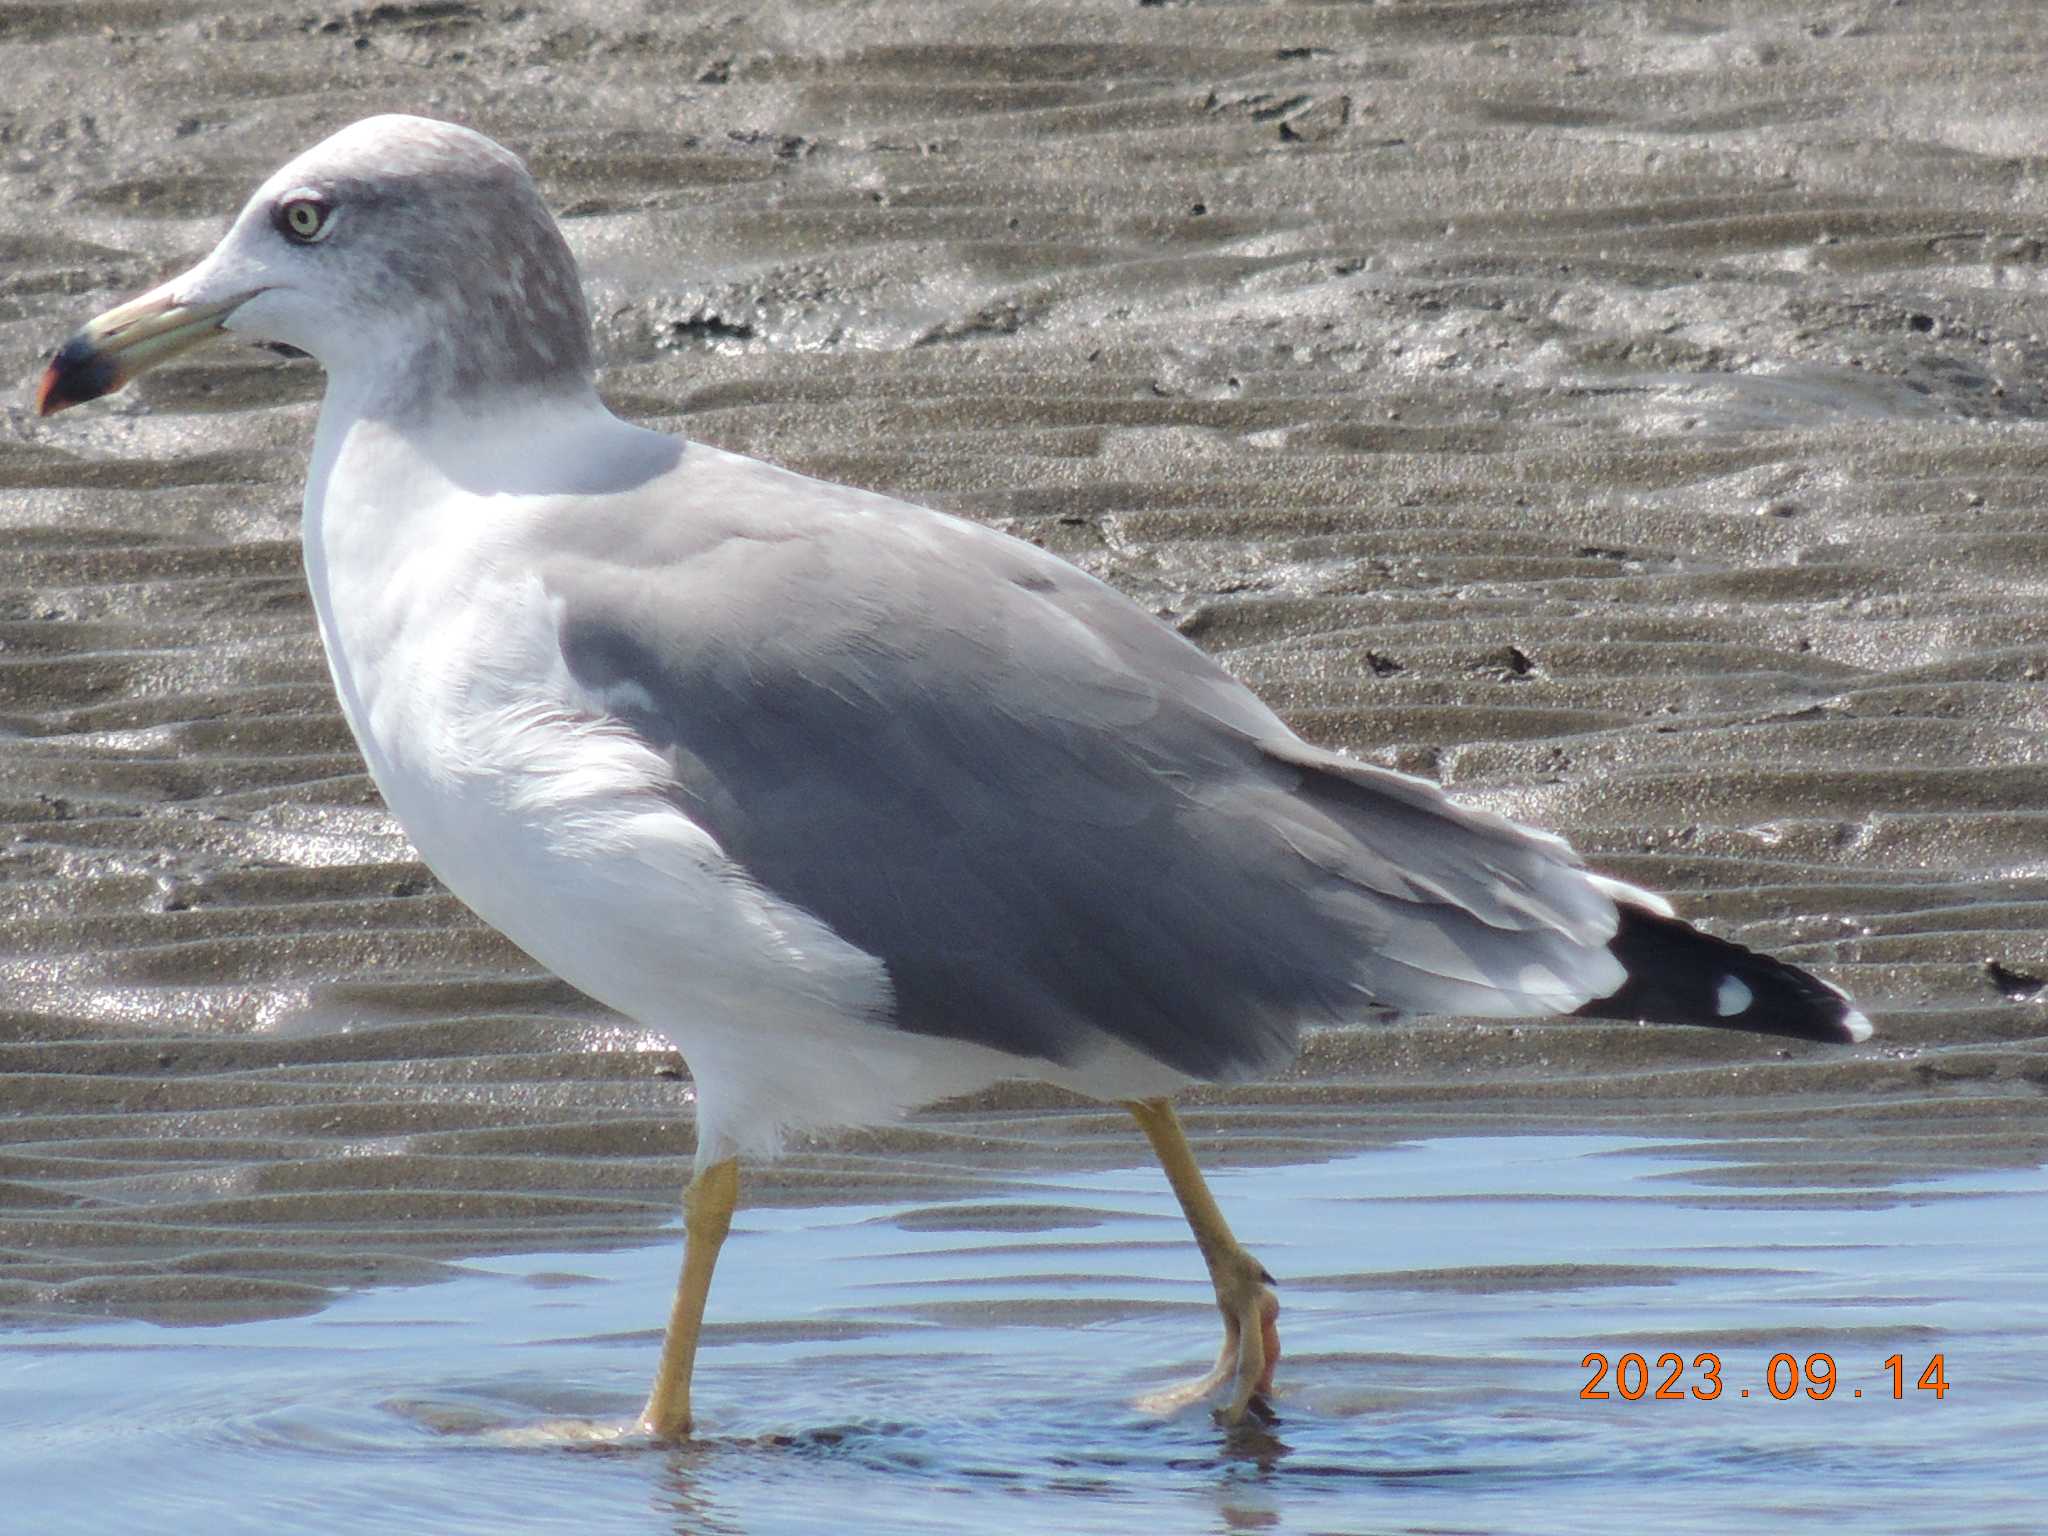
<point x="1679" y="975"/>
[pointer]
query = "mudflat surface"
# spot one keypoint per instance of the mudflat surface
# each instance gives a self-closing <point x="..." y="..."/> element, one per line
<point x="1630" y="415"/>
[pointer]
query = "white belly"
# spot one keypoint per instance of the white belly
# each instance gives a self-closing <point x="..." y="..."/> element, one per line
<point x="554" y="827"/>
<point x="552" y="821"/>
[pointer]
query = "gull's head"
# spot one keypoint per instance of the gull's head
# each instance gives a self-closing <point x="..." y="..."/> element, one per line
<point x="413" y="259"/>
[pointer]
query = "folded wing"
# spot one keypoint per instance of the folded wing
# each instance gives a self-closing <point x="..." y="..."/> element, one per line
<point x="1049" y="816"/>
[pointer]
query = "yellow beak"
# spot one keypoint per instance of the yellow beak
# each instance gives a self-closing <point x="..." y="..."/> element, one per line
<point x="122" y="343"/>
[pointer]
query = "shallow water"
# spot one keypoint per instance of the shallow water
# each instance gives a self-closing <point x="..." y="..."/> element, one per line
<point x="894" y="1368"/>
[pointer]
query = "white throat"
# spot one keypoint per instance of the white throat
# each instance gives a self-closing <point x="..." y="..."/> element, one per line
<point x="407" y="520"/>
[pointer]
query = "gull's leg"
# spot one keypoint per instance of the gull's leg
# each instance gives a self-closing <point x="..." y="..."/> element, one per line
<point x="1251" y="1330"/>
<point x="707" y="1217"/>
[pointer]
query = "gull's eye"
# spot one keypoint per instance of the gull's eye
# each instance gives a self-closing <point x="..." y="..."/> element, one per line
<point x="304" y="219"/>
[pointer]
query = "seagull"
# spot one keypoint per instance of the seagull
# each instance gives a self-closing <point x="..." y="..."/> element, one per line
<point x="859" y="804"/>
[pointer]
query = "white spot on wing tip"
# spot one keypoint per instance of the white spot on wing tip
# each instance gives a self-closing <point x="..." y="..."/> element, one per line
<point x="1732" y="996"/>
<point x="1860" y="1029"/>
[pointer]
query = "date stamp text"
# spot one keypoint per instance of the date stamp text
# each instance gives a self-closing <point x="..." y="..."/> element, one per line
<point x="1672" y="1378"/>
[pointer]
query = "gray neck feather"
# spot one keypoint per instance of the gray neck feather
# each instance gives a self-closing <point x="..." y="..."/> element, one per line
<point x="472" y="262"/>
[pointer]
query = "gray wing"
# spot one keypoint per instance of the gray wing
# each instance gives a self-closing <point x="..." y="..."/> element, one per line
<point x="1047" y="814"/>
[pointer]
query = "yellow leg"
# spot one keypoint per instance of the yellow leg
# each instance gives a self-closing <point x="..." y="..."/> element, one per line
<point x="1251" y="1331"/>
<point x="707" y="1217"/>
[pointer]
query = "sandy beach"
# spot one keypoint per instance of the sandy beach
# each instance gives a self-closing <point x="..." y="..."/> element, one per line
<point x="1630" y="415"/>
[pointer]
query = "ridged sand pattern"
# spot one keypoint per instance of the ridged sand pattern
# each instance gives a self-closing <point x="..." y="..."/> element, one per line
<point x="1632" y="419"/>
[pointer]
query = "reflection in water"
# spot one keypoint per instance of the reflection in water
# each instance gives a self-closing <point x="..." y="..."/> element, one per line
<point x="682" y="1497"/>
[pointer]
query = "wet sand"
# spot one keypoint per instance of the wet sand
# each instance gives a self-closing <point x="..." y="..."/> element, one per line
<point x="1631" y="416"/>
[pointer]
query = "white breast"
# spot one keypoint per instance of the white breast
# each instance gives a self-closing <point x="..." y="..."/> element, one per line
<point x="552" y="821"/>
